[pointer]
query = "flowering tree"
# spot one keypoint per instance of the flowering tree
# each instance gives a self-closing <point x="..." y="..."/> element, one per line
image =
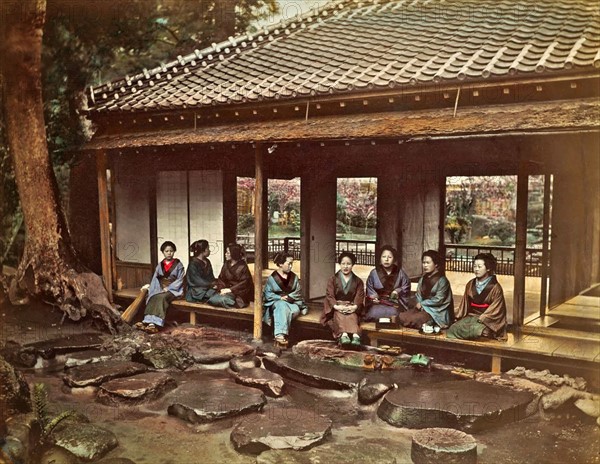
<point x="357" y="201"/>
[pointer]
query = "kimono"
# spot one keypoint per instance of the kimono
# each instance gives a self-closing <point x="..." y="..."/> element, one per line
<point x="380" y="285"/>
<point x="437" y="305"/>
<point x="352" y="292"/>
<point x="238" y="279"/>
<point x="166" y="285"/>
<point x="480" y="314"/>
<point x="200" y="280"/>
<point x="278" y="311"/>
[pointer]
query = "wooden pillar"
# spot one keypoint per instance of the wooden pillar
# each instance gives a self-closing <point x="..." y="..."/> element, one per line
<point x="105" y="251"/>
<point x="266" y="219"/>
<point x="545" y="243"/>
<point x="259" y="249"/>
<point x="520" y="246"/>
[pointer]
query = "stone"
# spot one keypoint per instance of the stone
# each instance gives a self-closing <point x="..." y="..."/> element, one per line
<point x="98" y="373"/>
<point x="561" y="396"/>
<point x="115" y="461"/>
<point x="244" y="362"/>
<point x="58" y="455"/>
<point x="314" y="374"/>
<point x="164" y="358"/>
<point x="86" y="441"/>
<point x="86" y="357"/>
<point x="280" y="428"/>
<point x="369" y="393"/>
<point x="200" y="402"/>
<point x="217" y="351"/>
<point x="18" y="432"/>
<point x="465" y="405"/>
<point x="443" y="446"/>
<point x="14" y="392"/>
<point x="330" y="351"/>
<point x="590" y="406"/>
<point x="137" y="389"/>
<point x="48" y="349"/>
<point x="269" y="382"/>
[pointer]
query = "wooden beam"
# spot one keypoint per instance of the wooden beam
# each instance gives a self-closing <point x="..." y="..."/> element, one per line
<point x="105" y="251"/>
<point x="265" y="218"/>
<point x="259" y="231"/>
<point x="545" y="243"/>
<point x="520" y="246"/>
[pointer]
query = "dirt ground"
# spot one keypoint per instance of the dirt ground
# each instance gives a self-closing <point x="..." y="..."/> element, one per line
<point x="147" y="435"/>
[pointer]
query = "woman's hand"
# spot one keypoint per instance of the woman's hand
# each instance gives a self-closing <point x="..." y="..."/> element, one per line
<point x="225" y="291"/>
<point x="418" y="306"/>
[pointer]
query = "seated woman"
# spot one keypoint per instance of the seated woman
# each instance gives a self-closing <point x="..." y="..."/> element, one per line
<point x="482" y="311"/>
<point x="344" y="299"/>
<point x="235" y="286"/>
<point x="435" y="306"/>
<point x="388" y="287"/>
<point x="166" y="285"/>
<point x="200" y="277"/>
<point x="282" y="298"/>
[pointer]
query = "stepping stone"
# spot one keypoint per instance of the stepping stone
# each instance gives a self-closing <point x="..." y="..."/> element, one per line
<point x="465" y="405"/>
<point x="330" y="351"/>
<point x="48" y="349"/>
<point x="58" y="455"/>
<point x="115" y="461"/>
<point x="280" y="428"/>
<point x="244" y="362"/>
<point x="443" y="446"/>
<point x="267" y="381"/>
<point x="164" y="357"/>
<point x="369" y="393"/>
<point x="199" y="402"/>
<point x="137" y="389"/>
<point x="315" y="374"/>
<point x="86" y="357"/>
<point x="217" y="351"/>
<point x="86" y="441"/>
<point x="98" y="373"/>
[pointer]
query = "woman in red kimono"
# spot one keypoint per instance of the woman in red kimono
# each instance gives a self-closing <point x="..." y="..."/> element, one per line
<point x="344" y="300"/>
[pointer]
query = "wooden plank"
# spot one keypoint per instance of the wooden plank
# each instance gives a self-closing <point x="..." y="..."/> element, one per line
<point x="105" y="249"/>
<point x="259" y="250"/>
<point x="541" y="344"/>
<point x="578" y="349"/>
<point x="573" y="311"/>
<point x="496" y="364"/>
<point x="582" y="300"/>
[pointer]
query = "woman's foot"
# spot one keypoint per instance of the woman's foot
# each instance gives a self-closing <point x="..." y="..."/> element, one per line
<point x="151" y="329"/>
<point x="345" y="339"/>
<point x="281" y="341"/>
<point x="355" y="340"/>
<point x="140" y="325"/>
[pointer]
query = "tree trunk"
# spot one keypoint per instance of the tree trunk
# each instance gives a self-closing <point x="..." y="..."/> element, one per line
<point x="49" y="267"/>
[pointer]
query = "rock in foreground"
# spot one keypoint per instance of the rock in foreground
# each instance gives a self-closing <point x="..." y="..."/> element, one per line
<point x="135" y="390"/>
<point x="269" y="382"/>
<point x="199" y="402"/>
<point x="98" y="373"/>
<point x="443" y="446"/>
<point x="280" y="428"/>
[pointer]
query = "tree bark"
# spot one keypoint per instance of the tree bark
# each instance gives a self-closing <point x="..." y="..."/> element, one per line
<point x="49" y="268"/>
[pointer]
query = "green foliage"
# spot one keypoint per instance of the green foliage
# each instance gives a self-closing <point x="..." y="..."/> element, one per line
<point x="40" y="408"/>
<point x="245" y="223"/>
<point x="504" y="231"/>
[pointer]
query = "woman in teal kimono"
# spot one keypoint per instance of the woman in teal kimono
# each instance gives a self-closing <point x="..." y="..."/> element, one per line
<point x="200" y="277"/>
<point x="282" y="298"/>
<point x="235" y="286"/>
<point x="165" y="286"/>
<point x="482" y="311"/>
<point x="435" y="305"/>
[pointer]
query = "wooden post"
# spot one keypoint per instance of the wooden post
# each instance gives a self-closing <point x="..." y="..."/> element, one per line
<point x="266" y="219"/>
<point x="105" y="251"/>
<point x="545" y="243"/>
<point x="520" y="247"/>
<point x="259" y="231"/>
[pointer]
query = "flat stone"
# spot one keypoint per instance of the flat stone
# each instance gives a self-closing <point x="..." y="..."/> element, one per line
<point x="217" y="351"/>
<point x="98" y="373"/>
<point x="244" y="362"/>
<point x="330" y="351"/>
<point x="443" y="446"/>
<point x="369" y="392"/>
<point x="363" y="451"/>
<point x="115" y="461"/>
<point x="58" y="455"/>
<point x="280" y="428"/>
<point x="164" y="357"/>
<point x="465" y="405"/>
<point x="200" y="402"/>
<point x="269" y="382"/>
<point x="86" y="441"/>
<point x="48" y="349"/>
<point x="137" y="389"/>
<point x="86" y="357"/>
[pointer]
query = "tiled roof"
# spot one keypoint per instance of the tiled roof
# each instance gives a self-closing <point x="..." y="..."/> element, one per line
<point x="355" y="46"/>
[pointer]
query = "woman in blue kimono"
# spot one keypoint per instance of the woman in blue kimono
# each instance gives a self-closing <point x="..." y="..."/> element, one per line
<point x="435" y="305"/>
<point x="200" y="277"/>
<point x="166" y="285"/>
<point x="235" y="286"/>
<point x="388" y="287"/>
<point x="282" y="298"/>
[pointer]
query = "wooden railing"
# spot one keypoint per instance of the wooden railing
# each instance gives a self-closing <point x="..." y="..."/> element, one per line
<point x="459" y="258"/>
